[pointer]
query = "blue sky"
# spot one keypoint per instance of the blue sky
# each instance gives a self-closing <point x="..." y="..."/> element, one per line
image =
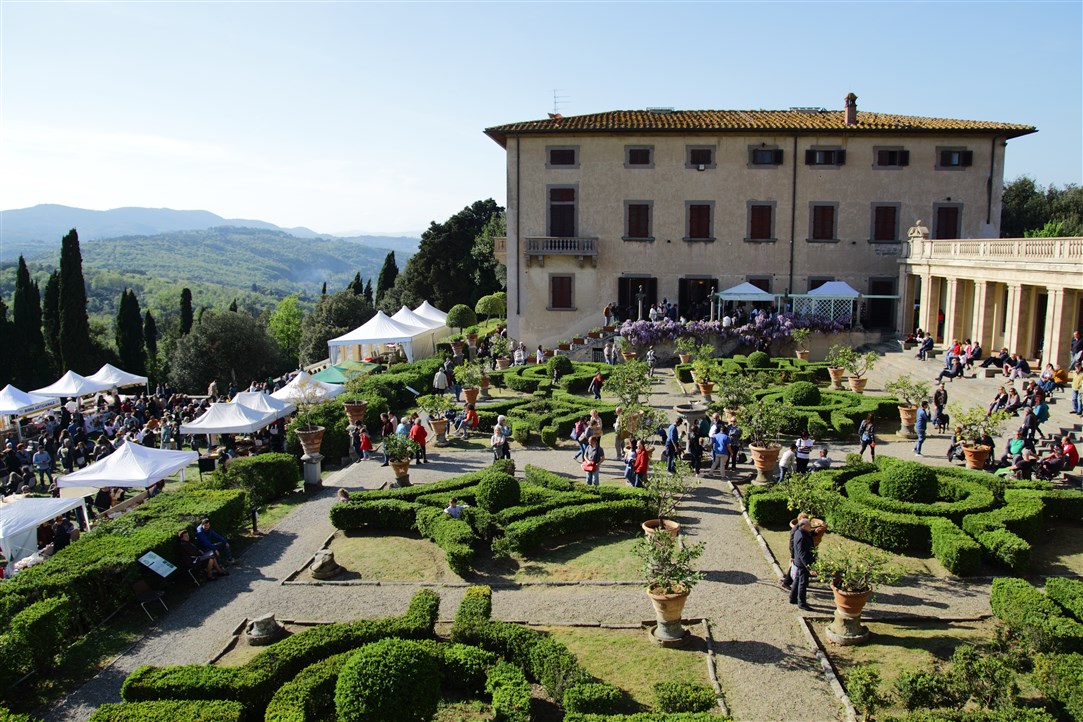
<point x="368" y="116"/>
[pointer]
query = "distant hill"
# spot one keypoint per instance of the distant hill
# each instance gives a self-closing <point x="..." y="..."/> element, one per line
<point x="36" y="231"/>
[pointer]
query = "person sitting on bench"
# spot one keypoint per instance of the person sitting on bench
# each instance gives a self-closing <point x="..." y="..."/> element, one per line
<point x="999" y="360"/>
<point x="954" y="372"/>
<point x="925" y="347"/>
<point x="212" y="541"/>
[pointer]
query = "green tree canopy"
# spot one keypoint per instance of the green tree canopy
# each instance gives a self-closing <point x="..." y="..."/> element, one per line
<point x="31" y="366"/>
<point x="460" y="316"/>
<point x="386" y="280"/>
<point x="5" y="342"/>
<point x="285" y="325"/>
<point x="131" y="348"/>
<point x="150" y="342"/>
<point x="490" y="273"/>
<point x="368" y="292"/>
<point x="1028" y="208"/>
<point x="187" y="317"/>
<point x="333" y="316"/>
<point x="443" y="269"/>
<point x="75" y="349"/>
<point x="495" y="304"/>
<point x="224" y="347"/>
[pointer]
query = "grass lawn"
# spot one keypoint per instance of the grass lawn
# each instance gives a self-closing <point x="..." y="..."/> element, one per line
<point x="628" y="659"/>
<point x="1058" y="549"/>
<point x="463" y="711"/>
<point x="397" y="557"/>
<point x="779" y="540"/>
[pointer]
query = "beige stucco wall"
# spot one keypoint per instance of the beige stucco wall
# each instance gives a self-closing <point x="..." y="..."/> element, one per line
<point x="604" y="184"/>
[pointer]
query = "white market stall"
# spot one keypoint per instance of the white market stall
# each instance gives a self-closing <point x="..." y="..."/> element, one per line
<point x="116" y="378"/>
<point x="303" y="389"/>
<point x="72" y="385"/>
<point x="228" y="418"/>
<point x="265" y="402"/>
<point x="16" y="403"/>
<point x="744" y="293"/>
<point x="19" y="520"/>
<point x="834" y="300"/>
<point x="130" y="466"/>
<point x="378" y="331"/>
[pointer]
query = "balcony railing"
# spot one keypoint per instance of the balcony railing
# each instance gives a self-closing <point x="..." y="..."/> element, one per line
<point x="1033" y="250"/>
<point x="581" y="248"/>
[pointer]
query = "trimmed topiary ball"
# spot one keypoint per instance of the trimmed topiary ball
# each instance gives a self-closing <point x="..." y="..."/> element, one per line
<point x="909" y="481"/>
<point x="802" y="393"/>
<point x="497" y="491"/>
<point x="562" y="364"/>
<point x="759" y="360"/>
<point x="393" y="680"/>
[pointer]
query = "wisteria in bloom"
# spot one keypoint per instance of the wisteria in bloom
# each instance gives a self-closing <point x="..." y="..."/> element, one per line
<point x="764" y="327"/>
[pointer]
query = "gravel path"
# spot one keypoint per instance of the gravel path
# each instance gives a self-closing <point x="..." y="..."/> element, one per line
<point x="765" y="666"/>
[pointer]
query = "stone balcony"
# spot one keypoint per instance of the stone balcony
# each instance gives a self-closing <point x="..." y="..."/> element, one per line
<point x="538" y="247"/>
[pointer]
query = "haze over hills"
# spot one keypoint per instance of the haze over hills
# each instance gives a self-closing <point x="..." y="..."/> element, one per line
<point x="36" y="231"/>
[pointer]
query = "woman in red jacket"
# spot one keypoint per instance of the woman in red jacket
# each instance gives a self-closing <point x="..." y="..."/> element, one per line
<point x="640" y="466"/>
<point x="418" y="434"/>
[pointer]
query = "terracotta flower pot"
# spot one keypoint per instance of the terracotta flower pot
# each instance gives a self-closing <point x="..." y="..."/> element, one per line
<point x="668" y="609"/>
<point x="850" y="603"/>
<point x="401" y="468"/>
<point x="907" y="416"/>
<point x="472" y="339"/>
<point x="471" y="394"/>
<point x="857" y="384"/>
<point x="355" y="410"/>
<point x="609" y="329"/>
<point x="765" y="459"/>
<point x="503" y="363"/>
<point x="685" y="358"/>
<point x="594" y="334"/>
<point x="310" y="437"/>
<point x="578" y="340"/>
<point x="706" y="388"/>
<point x="651" y="526"/>
<point x="629" y="355"/>
<point x="802" y="354"/>
<point x="549" y="353"/>
<point x="457" y="346"/>
<point x="836" y="377"/>
<point x="439" y="427"/>
<point x="976" y="456"/>
<point x="484" y="382"/>
<point x="564" y="346"/>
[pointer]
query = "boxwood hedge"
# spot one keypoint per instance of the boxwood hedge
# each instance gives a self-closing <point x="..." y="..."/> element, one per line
<point x="211" y="710"/>
<point x="1068" y="593"/>
<point x="1035" y="616"/>
<point x="392" y="680"/>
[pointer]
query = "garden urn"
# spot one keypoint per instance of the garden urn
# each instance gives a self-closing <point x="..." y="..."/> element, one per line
<point x="907" y="416"/>
<point x="471" y="394"/>
<point x="667" y="610"/>
<point x="857" y="384"/>
<point x="311" y="437"/>
<point x="847" y="628"/>
<point x="503" y="363"/>
<point x="765" y="459"/>
<point x="685" y="358"/>
<point x="976" y="455"/>
<point x="668" y="526"/>
<point x="706" y="388"/>
<point x="836" y="377"/>
<point x="439" y="427"/>
<point x="472" y="339"/>
<point x="355" y="411"/>
<point x="401" y="468"/>
<point x="802" y="354"/>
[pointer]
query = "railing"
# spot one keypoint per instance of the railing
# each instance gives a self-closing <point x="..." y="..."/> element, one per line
<point x="551" y="246"/>
<point x="1035" y="250"/>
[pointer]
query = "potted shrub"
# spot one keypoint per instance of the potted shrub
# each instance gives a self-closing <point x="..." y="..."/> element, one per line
<point x="732" y="392"/>
<point x="595" y="332"/>
<point x="472" y="335"/>
<point x="976" y="425"/>
<point x="805" y="493"/>
<point x="564" y="344"/>
<point x="800" y="338"/>
<point x="686" y="348"/>
<point x="626" y="350"/>
<point x="910" y="393"/>
<point x="835" y="365"/>
<point x="703" y="370"/>
<point x="460" y="316"/>
<point x="502" y="352"/>
<point x="578" y="340"/>
<point x="435" y="405"/>
<point x="670" y="574"/>
<point x="666" y="491"/>
<point x="471" y="377"/>
<point x="400" y="450"/>
<point x="355" y="410"/>
<point x="629" y="382"/>
<point x="761" y="423"/>
<point x="641" y="424"/>
<point x="457" y="343"/>
<point x="854" y="363"/>
<point x="309" y="433"/>
<point x="854" y="573"/>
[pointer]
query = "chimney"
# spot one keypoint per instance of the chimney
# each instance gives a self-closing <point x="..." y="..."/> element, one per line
<point x="851" y="109"/>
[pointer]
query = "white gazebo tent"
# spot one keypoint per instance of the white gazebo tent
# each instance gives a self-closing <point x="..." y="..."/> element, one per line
<point x="130" y="466"/>
<point x="265" y="403"/>
<point x="834" y="300"/>
<point x="376" y="332"/>
<point x="424" y="342"/>
<point x="19" y="521"/>
<point x="427" y="310"/>
<point x="745" y="292"/>
<point x="72" y="385"/>
<point x="228" y="418"/>
<point x="305" y="389"/>
<point x="16" y="403"/>
<point x="110" y="374"/>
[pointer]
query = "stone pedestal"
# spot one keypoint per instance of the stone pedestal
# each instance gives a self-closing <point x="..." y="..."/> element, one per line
<point x="485" y="392"/>
<point x="324" y="566"/>
<point x="313" y="469"/>
<point x="669" y="634"/>
<point x="264" y="630"/>
<point x="846" y="629"/>
<point x="906" y="431"/>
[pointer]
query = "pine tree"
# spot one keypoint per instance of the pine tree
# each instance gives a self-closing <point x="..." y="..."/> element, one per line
<point x="233" y="306"/>
<point x="150" y="342"/>
<point x="388" y="272"/>
<point x="50" y="317"/>
<point x="30" y="367"/>
<point x="186" y="315"/>
<point x="129" y="334"/>
<point x="75" y="348"/>
<point x="368" y="291"/>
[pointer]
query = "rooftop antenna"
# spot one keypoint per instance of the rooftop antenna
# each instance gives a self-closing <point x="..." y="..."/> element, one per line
<point x="558" y="101"/>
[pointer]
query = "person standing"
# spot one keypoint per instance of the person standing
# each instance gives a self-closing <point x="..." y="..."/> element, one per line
<point x="804" y="451"/>
<point x="720" y="452"/>
<point x="940" y="402"/>
<point x="866" y="433"/>
<point x="641" y="465"/>
<point x="596" y="385"/>
<point x="419" y="435"/>
<point x="592" y="461"/>
<point x="801" y="550"/>
<point x="787" y="462"/>
<point x="673" y="444"/>
<point x="652" y="361"/>
<point x="618" y="430"/>
<point x="439" y="381"/>
<point x="921" y="424"/>
<point x="581" y="435"/>
<point x="1077" y="389"/>
<point x="43" y="465"/>
<point x="608" y="352"/>
<point x="734" y="432"/>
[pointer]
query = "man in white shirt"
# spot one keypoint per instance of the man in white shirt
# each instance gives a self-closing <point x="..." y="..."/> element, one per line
<point x="455" y="509"/>
<point x="804" y="451"/>
<point x="727" y="321"/>
<point x="786" y="462"/>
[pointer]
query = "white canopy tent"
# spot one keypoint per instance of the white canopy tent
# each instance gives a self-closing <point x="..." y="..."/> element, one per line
<point x="16" y="403"/>
<point x="410" y="318"/>
<point x="378" y="331"/>
<point x="427" y="310"/>
<point x="424" y="343"/>
<point x="19" y="521"/>
<point x="745" y="292"/>
<point x="834" y="299"/>
<point x="228" y="418"/>
<point x="72" y="385"/>
<point x="264" y="402"/>
<point x="305" y="389"/>
<point x="132" y="465"/>
<point x="110" y="374"/>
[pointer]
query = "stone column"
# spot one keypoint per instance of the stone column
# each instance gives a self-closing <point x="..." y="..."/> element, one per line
<point x="951" y="310"/>
<point x="984" y="315"/>
<point x="904" y="314"/>
<point x="1057" y="344"/>
<point x="927" y="312"/>
<point x="1012" y="325"/>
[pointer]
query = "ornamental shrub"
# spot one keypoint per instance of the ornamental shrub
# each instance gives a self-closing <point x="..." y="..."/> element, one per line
<point x="460" y="316"/>
<point x="265" y="477"/>
<point x="768" y="508"/>
<point x="497" y="491"/>
<point x="1060" y="677"/>
<point x="452" y="535"/>
<point x="1035" y="616"/>
<point x="562" y="365"/>
<point x="36" y="636"/>
<point x="204" y="710"/>
<point x="909" y="481"/>
<point x="921" y="689"/>
<point x="759" y="360"/>
<point x="647" y="717"/>
<point x="592" y="698"/>
<point x="393" y="680"/>
<point x="511" y="693"/>
<point x="465" y="667"/>
<point x="817" y="427"/>
<point x="1068" y="593"/>
<point x="951" y="546"/>
<point x="683" y="697"/>
<point x="802" y="393"/>
<point x="310" y="696"/>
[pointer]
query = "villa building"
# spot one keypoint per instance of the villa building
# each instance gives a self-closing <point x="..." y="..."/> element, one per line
<point x="677" y="204"/>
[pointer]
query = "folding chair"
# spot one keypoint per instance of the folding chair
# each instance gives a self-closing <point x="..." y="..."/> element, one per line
<point x="145" y="595"/>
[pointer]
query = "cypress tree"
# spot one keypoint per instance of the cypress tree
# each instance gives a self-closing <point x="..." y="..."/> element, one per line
<point x="356" y="287"/>
<point x="368" y="291"/>
<point x="50" y="317"/>
<point x="129" y="334"/>
<point x="233" y="306"/>
<point x="5" y="343"/>
<point x="388" y="272"/>
<point x="150" y="335"/>
<point x="186" y="315"/>
<point x="323" y="291"/>
<point x="30" y="367"/>
<point x="75" y="348"/>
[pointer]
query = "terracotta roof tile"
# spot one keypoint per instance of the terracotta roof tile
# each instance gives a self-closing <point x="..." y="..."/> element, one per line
<point x="728" y="121"/>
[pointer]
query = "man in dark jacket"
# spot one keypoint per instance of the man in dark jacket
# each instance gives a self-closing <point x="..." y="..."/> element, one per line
<point x="801" y="549"/>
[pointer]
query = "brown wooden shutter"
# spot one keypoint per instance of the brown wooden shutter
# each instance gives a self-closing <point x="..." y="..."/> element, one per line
<point x="947" y="222"/>
<point x="760" y="222"/>
<point x="840" y="157"/>
<point x="638" y="220"/>
<point x="966" y="158"/>
<point x="810" y="157"/>
<point x="823" y="223"/>
<point x="778" y="157"/>
<point x="699" y="221"/>
<point x="904" y="157"/>
<point x="884" y="226"/>
<point x="560" y="292"/>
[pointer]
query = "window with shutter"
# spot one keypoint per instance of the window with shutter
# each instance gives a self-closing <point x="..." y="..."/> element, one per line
<point x="823" y="223"/>
<point x="759" y="222"/>
<point x="825" y="156"/>
<point x="699" y="157"/>
<point x="699" y="221"/>
<point x="639" y="220"/>
<point x="891" y="158"/>
<point x="639" y="156"/>
<point x="948" y="224"/>
<point x="563" y="156"/>
<point x="560" y="292"/>
<point x="562" y="212"/>
<point x="764" y="156"/>
<point x="954" y="158"/>
<point x="885" y="223"/>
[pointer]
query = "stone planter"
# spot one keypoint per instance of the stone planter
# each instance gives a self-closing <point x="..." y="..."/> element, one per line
<point x="609" y="329"/>
<point x="579" y="340"/>
<point x="355" y="411"/>
<point x="667" y="610"/>
<point x="802" y="354"/>
<point x="685" y="358"/>
<point x="564" y="346"/>
<point x="472" y="339"/>
<point x="976" y="456"/>
<point x="857" y="384"/>
<point x="765" y="459"/>
<point x="836" y="377"/>
<point x="439" y="427"/>
<point x="457" y="347"/>
<point x="311" y="437"/>
<point x="628" y="356"/>
<point x="847" y="628"/>
<point x="706" y="389"/>
<point x="471" y="394"/>
<point x="594" y="334"/>
<point x="401" y="468"/>
<point x="651" y="526"/>
<point x="907" y="416"/>
<point x="549" y="353"/>
<point x="503" y="363"/>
